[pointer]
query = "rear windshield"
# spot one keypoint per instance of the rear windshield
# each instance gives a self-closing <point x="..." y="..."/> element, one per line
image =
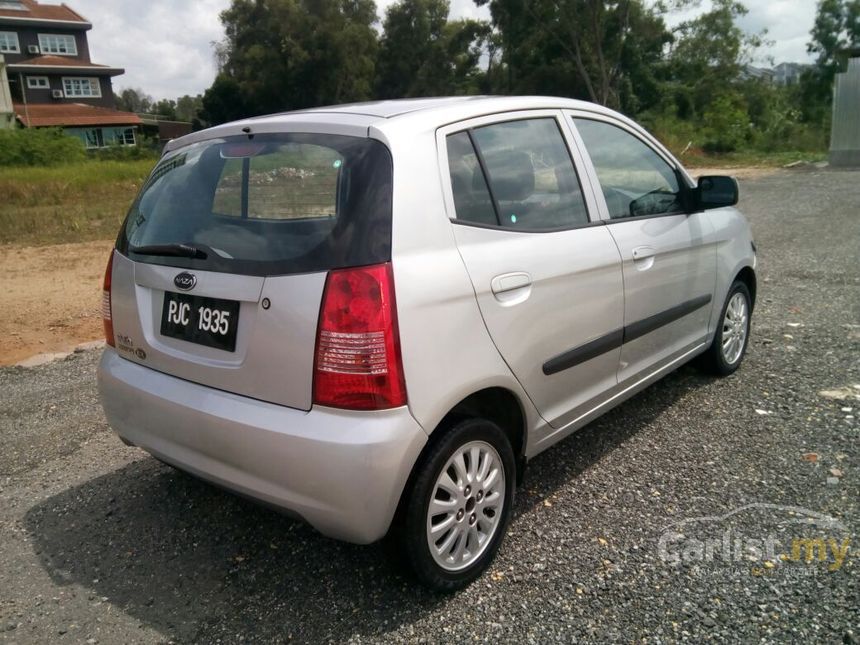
<point x="265" y="205"/>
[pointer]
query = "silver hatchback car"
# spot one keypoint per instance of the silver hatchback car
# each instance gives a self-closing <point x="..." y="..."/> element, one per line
<point x="372" y="316"/>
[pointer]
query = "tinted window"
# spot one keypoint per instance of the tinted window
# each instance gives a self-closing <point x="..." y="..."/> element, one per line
<point x="532" y="182"/>
<point x="635" y="179"/>
<point x="472" y="199"/>
<point x="276" y="204"/>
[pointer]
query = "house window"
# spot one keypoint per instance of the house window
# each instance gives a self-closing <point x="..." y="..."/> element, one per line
<point x="94" y="138"/>
<point x="9" y="43"/>
<point x="82" y="87"/>
<point x="58" y="44"/>
<point x="124" y="136"/>
<point x="14" y="5"/>
<point x="38" y="82"/>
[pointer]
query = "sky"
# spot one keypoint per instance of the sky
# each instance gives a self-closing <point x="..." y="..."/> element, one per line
<point x="165" y="46"/>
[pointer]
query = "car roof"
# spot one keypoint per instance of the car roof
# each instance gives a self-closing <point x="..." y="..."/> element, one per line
<point x="359" y="118"/>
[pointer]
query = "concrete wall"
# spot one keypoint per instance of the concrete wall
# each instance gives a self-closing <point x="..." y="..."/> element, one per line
<point x="845" y="135"/>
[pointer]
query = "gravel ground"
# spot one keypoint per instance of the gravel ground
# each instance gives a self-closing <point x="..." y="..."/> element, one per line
<point x="100" y="543"/>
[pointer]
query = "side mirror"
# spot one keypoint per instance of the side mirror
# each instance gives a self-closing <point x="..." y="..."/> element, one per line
<point x="716" y="191"/>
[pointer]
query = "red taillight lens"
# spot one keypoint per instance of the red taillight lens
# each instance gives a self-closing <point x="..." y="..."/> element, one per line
<point x="358" y="364"/>
<point x="106" y="304"/>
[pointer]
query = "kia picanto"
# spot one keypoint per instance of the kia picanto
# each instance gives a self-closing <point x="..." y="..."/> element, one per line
<point x="372" y="316"/>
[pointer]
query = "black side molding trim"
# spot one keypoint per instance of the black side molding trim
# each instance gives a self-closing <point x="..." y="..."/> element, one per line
<point x="615" y="339"/>
<point x="577" y="355"/>
<point x="647" y="325"/>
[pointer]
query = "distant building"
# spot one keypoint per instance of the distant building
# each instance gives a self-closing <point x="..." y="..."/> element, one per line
<point x="788" y="73"/>
<point x="53" y="82"/>
<point x="750" y="72"/>
<point x="782" y="74"/>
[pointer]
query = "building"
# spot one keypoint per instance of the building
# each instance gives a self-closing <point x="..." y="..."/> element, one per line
<point x="788" y="73"/>
<point x="51" y="79"/>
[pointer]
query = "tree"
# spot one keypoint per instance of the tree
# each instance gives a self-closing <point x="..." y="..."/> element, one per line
<point x="836" y="27"/>
<point x="134" y="100"/>
<point x="598" y="50"/>
<point x="165" y="108"/>
<point x="707" y="57"/>
<point x="289" y="54"/>
<point x="223" y="102"/>
<point x="421" y="53"/>
<point x="188" y="107"/>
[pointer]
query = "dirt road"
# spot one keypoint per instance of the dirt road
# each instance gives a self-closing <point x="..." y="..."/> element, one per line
<point x="50" y="298"/>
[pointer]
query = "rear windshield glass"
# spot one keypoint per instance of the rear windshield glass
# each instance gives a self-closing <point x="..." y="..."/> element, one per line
<point x="267" y="205"/>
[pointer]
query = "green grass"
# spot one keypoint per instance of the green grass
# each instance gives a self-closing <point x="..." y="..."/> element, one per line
<point x="748" y="158"/>
<point x="75" y="202"/>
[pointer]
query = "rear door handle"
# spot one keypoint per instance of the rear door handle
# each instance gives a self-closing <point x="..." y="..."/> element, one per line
<point x="643" y="253"/>
<point x="510" y="282"/>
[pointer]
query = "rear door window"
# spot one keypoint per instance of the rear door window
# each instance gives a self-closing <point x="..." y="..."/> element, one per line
<point x="516" y="174"/>
<point x="271" y="205"/>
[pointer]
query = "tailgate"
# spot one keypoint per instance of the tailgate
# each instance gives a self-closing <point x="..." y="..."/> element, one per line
<point x="274" y="348"/>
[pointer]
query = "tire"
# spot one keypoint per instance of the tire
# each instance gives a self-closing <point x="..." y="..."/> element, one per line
<point x="483" y="495"/>
<point x="716" y="359"/>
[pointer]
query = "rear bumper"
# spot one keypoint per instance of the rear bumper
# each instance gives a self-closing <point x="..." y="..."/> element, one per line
<point x="341" y="471"/>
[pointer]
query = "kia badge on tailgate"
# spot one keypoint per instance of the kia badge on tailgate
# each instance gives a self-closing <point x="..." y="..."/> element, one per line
<point x="185" y="281"/>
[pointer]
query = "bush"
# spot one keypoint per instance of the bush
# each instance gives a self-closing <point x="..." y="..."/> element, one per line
<point x="124" y="153"/>
<point x="39" y="147"/>
<point x="727" y="124"/>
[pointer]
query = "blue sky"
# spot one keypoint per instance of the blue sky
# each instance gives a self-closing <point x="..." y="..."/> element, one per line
<point x="165" y="46"/>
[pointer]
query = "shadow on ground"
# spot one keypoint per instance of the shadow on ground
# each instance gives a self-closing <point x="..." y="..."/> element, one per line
<point x="196" y="563"/>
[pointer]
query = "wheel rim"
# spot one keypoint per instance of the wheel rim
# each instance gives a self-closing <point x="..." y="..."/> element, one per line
<point x="735" y="328"/>
<point x="466" y="506"/>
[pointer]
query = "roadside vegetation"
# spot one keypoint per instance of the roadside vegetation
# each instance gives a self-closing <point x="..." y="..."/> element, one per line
<point x="70" y="202"/>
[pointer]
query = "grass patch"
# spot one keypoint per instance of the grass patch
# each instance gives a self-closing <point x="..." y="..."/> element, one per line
<point x="76" y="202"/>
<point x="747" y="159"/>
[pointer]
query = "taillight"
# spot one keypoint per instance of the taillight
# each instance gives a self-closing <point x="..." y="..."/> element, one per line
<point x="106" y="304"/>
<point x="358" y="364"/>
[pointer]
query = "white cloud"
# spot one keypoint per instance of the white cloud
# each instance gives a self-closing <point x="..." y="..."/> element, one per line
<point x="165" y="46"/>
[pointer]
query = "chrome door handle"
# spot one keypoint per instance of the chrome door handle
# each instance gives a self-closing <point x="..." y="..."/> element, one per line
<point x="510" y="282"/>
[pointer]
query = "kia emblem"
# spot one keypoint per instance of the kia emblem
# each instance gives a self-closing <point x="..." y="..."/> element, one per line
<point x="185" y="281"/>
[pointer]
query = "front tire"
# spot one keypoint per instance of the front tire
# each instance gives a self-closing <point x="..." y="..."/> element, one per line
<point x="459" y="505"/>
<point x="726" y="353"/>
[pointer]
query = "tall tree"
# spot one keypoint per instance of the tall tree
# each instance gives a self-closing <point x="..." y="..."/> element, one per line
<point x="133" y="99"/>
<point x="708" y="55"/>
<point x="289" y="54"/>
<point x="836" y="27"/>
<point x="421" y="53"/>
<point x="188" y="107"/>
<point x="600" y="50"/>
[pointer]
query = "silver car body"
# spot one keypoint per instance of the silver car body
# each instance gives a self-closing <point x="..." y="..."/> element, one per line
<point x="477" y="309"/>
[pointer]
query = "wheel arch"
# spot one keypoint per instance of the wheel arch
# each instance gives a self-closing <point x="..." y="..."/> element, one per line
<point x="748" y="277"/>
<point x="495" y="403"/>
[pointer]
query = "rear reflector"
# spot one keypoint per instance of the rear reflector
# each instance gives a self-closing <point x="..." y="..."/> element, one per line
<point x="358" y="364"/>
<point x="107" y="318"/>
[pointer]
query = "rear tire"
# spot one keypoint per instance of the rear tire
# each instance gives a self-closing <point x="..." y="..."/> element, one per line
<point x="468" y="476"/>
<point x="727" y="351"/>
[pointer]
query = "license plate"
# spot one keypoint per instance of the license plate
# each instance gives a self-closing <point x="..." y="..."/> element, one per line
<point x="206" y="321"/>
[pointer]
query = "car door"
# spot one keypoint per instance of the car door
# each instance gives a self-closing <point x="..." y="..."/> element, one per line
<point x="546" y="272"/>
<point x="668" y="255"/>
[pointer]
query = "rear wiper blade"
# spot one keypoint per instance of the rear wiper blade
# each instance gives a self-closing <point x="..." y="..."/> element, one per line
<point x="171" y="250"/>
